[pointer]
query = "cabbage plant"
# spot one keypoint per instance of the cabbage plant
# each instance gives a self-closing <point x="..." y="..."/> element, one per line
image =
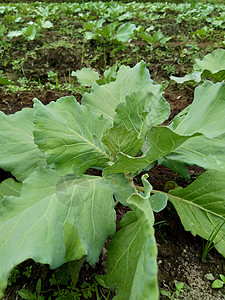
<point x="111" y="33"/>
<point x="55" y="212"/>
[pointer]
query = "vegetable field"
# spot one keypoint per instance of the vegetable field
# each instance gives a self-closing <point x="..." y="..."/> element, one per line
<point x="112" y="150"/>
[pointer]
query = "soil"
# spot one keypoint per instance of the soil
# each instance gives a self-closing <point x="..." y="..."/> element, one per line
<point x="179" y="253"/>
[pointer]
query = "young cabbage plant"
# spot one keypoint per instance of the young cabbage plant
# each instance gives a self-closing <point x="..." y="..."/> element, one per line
<point x="55" y="213"/>
<point x="111" y="37"/>
<point x="156" y="39"/>
<point x="110" y="33"/>
<point x="31" y="31"/>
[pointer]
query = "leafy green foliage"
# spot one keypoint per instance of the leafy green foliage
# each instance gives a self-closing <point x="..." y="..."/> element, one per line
<point x="86" y="76"/>
<point x="179" y="289"/>
<point x="19" y="154"/>
<point x="58" y="209"/>
<point x="24" y="294"/>
<point x="156" y="38"/>
<point x="58" y="214"/>
<point x="9" y="187"/>
<point x="108" y="33"/>
<point x="74" y="131"/>
<point x="4" y="81"/>
<point x="128" y="81"/>
<point x="161" y="141"/>
<point x="199" y="212"/>
<point x="211" y="66"/>
<point x="31" y="31"/>
<point x="210" y="98"/>
<point x="210" y="244"/>
<point x="131" y="262"/>
<point x="218" y="283"/>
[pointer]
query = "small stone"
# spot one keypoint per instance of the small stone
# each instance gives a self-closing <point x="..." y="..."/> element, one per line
<point x="209" y="276"/>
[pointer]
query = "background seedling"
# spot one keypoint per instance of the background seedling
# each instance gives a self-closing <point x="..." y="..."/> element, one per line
<point x="179" y="289"/>
<point x="25" y="294"/>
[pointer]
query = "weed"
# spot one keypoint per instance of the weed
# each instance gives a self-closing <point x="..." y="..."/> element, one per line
<point x="218" y="283"/>
<point x="210" y="244"/>
<point x="179" y="288"/>
<point x="84" y="291"/>
<point x="14" y="276"/>
<point x="158" y="226"/>
<point x="53" y="77"/>
<point x="25" y="294"/>
<point x="28" y="271"/>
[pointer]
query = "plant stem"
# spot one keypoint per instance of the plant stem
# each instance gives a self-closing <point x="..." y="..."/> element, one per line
<point x="142" y="189"/>
<point x="105" y="60"/>
<point x="82" y="54"/>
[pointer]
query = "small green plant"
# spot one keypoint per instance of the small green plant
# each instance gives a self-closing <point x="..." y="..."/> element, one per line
<point x="25" y="294"/>
<point x="111" y="33"/>
<point x="31" y="31"/>
<point x="85" y="291"/>
<point x="169" y="69"/>
<point x="210" y="244"/>
<point x="158" y="227"/>
<point x="201" y="33"/>
<point x="157" y="38"/>
<point x="15" y="274"/>
<point x="4" y="81"/>
<point x="111" y="37"/>
<point x="28" y="271"/>
<point x="179" y="288"/>
<point x="218" y="283"/>
<point x="53" y="77"/>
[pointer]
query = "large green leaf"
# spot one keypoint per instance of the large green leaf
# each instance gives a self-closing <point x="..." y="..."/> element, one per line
<point x="124" y="32"/>
<point x="131" y="260"/>
<point x="161" y="141"/>
<point x="200" y="151"/>
<point x="55" y="219"/>
<point x="9" y="187"/>
<point x="18" y="152"/>
<point x="105" y="98"/>
<point x="213" y="62"/>
<point x="86" y="76"/>
<point x="212" y="65"/>
<point x="201" y="206"/>
<point x="70" y="135"/>
<point x="141" y="111"/>
<point x="206" y="113"/>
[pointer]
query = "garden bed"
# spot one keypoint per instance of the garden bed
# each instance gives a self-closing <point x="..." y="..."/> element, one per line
<point x="40" y="63"/>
